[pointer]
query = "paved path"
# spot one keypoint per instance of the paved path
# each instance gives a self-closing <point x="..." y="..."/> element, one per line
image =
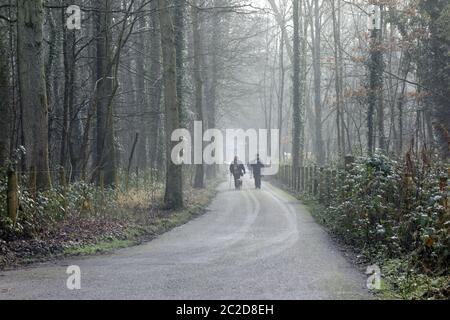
<point x="250" y="245"/>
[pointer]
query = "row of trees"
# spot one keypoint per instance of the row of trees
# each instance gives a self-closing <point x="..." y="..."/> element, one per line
<point x="107" y="97"/>
<point x="365" y="80"/>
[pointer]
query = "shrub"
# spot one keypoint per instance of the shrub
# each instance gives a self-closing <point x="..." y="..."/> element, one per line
<point x="388" y="209"/>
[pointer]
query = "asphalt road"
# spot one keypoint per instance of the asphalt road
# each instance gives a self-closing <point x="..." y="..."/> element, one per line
<point x="249" y="245"/>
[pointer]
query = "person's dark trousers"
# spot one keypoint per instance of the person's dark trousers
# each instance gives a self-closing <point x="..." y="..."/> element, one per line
<point x="258" y="182"/>
<point x="236" y="181"/>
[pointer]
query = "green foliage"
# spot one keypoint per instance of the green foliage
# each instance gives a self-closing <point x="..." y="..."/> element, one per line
<point x="402" y="282"/>
<point x="101" y="247"/>
<point x="38" y="215"/>
<point x="387" y="209"/>
<point x="82" y="219"/>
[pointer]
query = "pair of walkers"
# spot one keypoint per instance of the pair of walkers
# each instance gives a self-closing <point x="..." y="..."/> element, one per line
<point x="237" y="170"/>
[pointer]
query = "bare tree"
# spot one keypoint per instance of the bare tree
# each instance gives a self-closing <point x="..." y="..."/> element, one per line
<point x="199" y="171"/>
<point x="33" y="89"/>
<point x="174" y="177"/>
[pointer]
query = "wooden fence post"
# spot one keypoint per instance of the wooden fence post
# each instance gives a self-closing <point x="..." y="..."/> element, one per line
<point x="307" y="180"/>
<point x="13" y="196"/>
<point x="328" y="186"/>
<point x="321" y="184"/>
<point x="289" y="176"/>
<point x="285" y="175"/>
<point x="302" y="179"/>
<point x="295" y="184"/>
<point x="316" y="182"/>
<point x="294" y="172"/>
<point x="288" y="181"/>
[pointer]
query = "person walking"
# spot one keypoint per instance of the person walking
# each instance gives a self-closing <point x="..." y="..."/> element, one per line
<point x="257" y="171"/>
<point x="237" y="170"/>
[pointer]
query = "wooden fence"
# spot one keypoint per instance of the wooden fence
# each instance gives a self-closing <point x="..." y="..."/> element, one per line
<point x="312" y="181"/>
<point x="319" y="182"/>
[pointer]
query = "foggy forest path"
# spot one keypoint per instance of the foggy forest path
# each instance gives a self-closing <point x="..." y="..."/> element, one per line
<point x="249" y="245"/>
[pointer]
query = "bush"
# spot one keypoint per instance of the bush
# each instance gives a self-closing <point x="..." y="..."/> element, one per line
<point x="39" y="215"/>
<point x="389" y="209"/>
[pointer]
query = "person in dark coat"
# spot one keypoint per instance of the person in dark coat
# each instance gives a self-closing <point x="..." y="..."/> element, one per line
<point x="237" y="170"/>
<point x="257" y="171"/>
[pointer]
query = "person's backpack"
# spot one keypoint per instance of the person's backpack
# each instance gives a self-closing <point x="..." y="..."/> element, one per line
<point x="236" y="169"/>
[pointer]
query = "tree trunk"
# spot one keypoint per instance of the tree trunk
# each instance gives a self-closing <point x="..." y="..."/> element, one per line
<point x="211" y="71"/>
<point x="199" y="168"/>
<point x="4" y="98"/>
<point x="338" y="79"/>
<point x="69" y="86"/>
<point x="105" y="153"/>
<point x="318" y="139"/>
<point x="375" y="88"/>
<point x="154" y="90"/>
<point x="281" y="94"/>
<point x="296" y="87"/>
<point x="174" y="176"/>
<point x="179" y="7"/>
<point x="33" y="91"/>
<point x="142" y="102"/>
<point x="380" y="104"/>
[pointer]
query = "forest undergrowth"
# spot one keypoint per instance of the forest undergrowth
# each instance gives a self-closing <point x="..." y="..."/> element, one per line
<point x="83" y="219"/>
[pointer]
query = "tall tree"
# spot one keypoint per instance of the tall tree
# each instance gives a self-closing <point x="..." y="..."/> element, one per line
<point x="375" y="88"/>
<point x="338" y="61"/>
<point x="211" y="72"/>
<point x="281" y="92"/>
<point x="178" y="21"/>
<point x="316" y="36"/>
<point x="33" y="92"/>
<point x="105" y="151"/>
<point x="69" y="47"/>
<point x="155" y="87"/>
<point x="296" y="98"/>
<point x="142" y="102"/>
<point x="380" y="103"/>
<point x="174" y="175"/>
<point x="438" y="16"/>
<point x="200" y="168"/>
<point x="4" y="97"/>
